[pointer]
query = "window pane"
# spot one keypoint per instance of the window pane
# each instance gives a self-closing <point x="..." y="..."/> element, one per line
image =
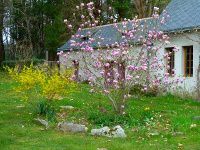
<point x="188" y="61"/>
<point x="170" y="61"/>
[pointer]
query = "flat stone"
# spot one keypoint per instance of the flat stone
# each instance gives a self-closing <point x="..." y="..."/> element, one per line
<point x="105" y="131"/>
<point x="178" y="133"/>
<point x="71" y="127"/>
<point x="193" y="126"/>
<point x="154" y="133"/>
<point x="116" y="132"/>
<point x="67" y="107"/>
<point x="20" y="106"/>
<point x="42" y="122"/>
<point x="196" y="118"/>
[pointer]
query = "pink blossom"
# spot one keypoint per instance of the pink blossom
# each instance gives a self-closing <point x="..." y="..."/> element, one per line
<point x="137" y="77"/>
<point x="106" y="91"/>
<point x="82" y="16"/>
<point x="115" y="53"/>
<point x="60" y="53"/>
<point x="82" y="4"/>
<point x="156" y="9"/>
<point x="115" y="81"/>
<point x="65" y="21"/>
<point x="69" y="26"/>
<point x="129" y="77"/>
<point x="102" y="72"/>
<point x="107" y="65"/>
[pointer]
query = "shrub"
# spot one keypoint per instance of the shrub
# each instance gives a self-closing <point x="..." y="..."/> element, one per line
<point x="21" y="63"/>
<point x="152" y="92"/>
<point x="44" y="108"/>
<point x="106" y="119"/>
<point x="137" y="90"/>
<point x="42" y="81"/>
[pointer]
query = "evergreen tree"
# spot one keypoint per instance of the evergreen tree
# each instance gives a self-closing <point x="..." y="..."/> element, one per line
<point x="37" y="26"/>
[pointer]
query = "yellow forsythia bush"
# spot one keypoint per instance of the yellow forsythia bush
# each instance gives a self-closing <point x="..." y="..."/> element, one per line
<point x="42" y="81"/>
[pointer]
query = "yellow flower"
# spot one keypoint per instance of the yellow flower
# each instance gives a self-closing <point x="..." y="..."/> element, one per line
<point x="46" y="82"/>
<point x="146" y="108"/>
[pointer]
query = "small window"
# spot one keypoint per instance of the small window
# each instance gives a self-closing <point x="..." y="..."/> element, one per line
<point x="85" y="38"/>
<point x="170" y="60"/>
<point x="125" y="33"/>
<point x="188" y="61"/>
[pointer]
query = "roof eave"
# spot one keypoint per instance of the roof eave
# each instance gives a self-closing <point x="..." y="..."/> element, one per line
<point x="182" y="30"/>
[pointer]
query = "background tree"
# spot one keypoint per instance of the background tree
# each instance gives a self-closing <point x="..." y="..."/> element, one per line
<point x="54" y="27"/>
<point x="144" y="8"/>
<point x="2" y="5"/>
<point x="123" y="8"/>
<point x="36" y="27"/>
<point x="32" y="27"/>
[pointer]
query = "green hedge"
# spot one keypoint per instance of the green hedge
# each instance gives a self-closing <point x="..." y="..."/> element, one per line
<point x="12" y="63"/>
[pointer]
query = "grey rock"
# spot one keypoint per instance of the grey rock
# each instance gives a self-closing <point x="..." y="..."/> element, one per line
<point x="193" y="126"/>
<point x="196" y="118"/>
<point x="156" y="133"/>
<point x="102" y="149"/>
<point x="105" y="131"/>
<point x="42" y="122"/>
<point x="71" y="127"/>
<point x="178" y="133"/>
<point x="116" y="132"/>
<point x="67" y="107"/>
<point x="20" y="106"/>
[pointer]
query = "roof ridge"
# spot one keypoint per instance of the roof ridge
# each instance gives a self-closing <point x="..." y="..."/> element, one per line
<point x="110" y="24"/>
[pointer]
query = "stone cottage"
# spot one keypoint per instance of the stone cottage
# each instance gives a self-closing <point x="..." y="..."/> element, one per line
<point x="183" y="28"/>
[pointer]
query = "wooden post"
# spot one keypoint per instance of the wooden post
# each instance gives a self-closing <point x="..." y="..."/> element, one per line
<point x="47" y="55"/>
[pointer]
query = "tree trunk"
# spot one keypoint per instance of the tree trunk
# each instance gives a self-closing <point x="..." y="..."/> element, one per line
<point x="1" y="31"/>
<point x="121" y="71"/>
<point x="1" y="49"/>
<point x="109" y="75"/>
<point x="52" y="56"/>
<point x="121" y="79"/>
<point x="144" y="8"/>
<point x="140" y="7"/>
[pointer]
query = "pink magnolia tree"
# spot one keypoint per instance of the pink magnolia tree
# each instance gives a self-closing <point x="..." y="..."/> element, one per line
<point x="134" y="59"/>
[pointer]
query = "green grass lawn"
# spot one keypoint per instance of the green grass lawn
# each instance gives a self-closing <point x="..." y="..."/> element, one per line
<point x="167" y="116"/>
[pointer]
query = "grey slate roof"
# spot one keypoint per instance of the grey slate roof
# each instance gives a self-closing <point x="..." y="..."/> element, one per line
<point x="108" y="32"/>
<point x="184" y="15"/>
